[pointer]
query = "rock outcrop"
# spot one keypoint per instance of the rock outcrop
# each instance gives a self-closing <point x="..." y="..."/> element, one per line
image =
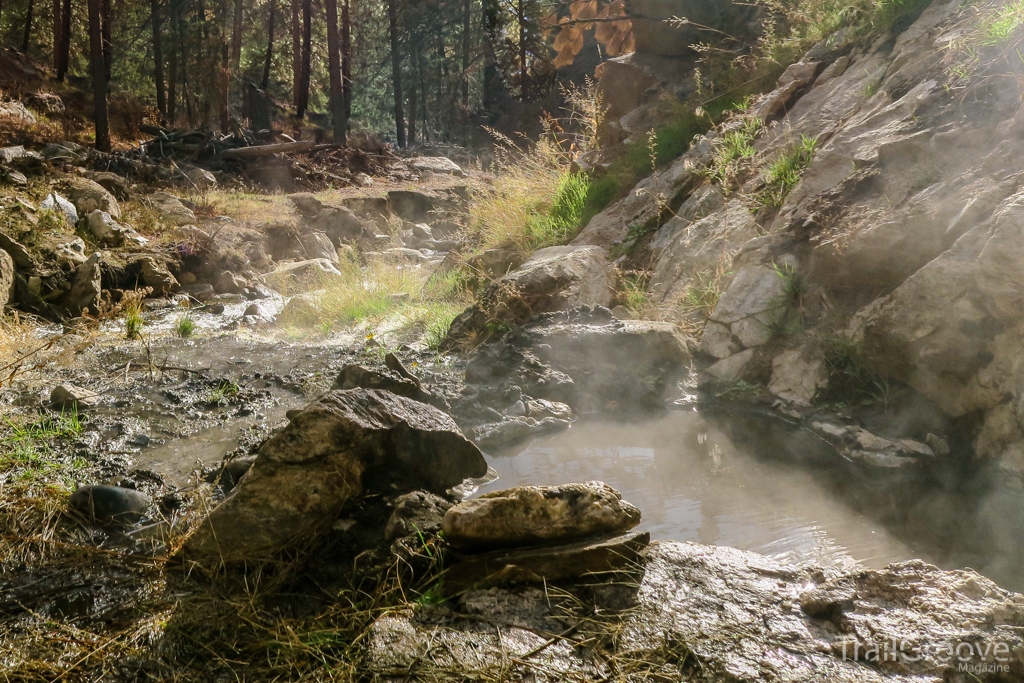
<point x="552" y="279"/>
<point x="804" y="625"/>
<point x="331" y="452"/>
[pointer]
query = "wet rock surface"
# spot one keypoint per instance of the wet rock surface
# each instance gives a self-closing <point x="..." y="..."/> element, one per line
<point x="537" y="514"/>
<point x="552" y="279"/>
<point x="330" y="452"/>
<point x="685" y="609"/>
<point x="98" y="504"/>
<point x="586" y="359"/>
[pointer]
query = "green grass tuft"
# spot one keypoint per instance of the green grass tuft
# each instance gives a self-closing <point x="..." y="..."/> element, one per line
<point x="185" y="326"/>
<point x="783" y="174"/>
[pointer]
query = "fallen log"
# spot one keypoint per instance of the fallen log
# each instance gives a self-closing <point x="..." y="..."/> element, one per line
<point x="264" y="150"/>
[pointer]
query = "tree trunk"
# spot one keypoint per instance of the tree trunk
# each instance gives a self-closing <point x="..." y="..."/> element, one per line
<point x="521" y="17"/>
<point x="307" y="49"/>
<point x="27" y="36"/>
<point x="158" y="58"/>
<point x="236" y="38"/>
<point x="57" y="26"/>
<point x="396" y="71"/>
<point x="467" y="27"/>
<point x="346" y="59"/>
<point x="225" y="69"/>
<point x="491" y="82"/>
<point x="411" y="136"/>
<point x="268" y="62"/>
<point x="99" y="80"/>
<point x="65" y="40"/>
<point x="172" y="84"/>
<point x="296" y="54"/>
<point x="106" y="33"/>
<point x="334" y="67"/>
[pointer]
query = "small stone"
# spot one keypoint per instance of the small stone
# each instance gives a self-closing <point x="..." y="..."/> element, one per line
<point x="55" y="202"/>
<point x="71" y="397"/>
<point x="253" y="309"/>
<point x="938" y="445"/>
<point x="99" y="504"/>
<point x="187" y="278"/>
<point x="418" y="512"/>
<point x="228" y="283"/>
<point x="199" y="292"/>
<point x="363" y="180"/>
<point x="201" y="178"/>
<point x="139" y="440"/>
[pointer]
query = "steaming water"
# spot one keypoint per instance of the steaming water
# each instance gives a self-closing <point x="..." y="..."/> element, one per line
<point x="692" y="484"/>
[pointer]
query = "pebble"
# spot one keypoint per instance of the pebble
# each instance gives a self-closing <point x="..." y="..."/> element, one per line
<point x="101" y="504"/>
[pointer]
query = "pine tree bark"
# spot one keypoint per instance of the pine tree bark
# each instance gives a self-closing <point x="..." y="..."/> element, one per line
<point x="268" y="62"/>
<point x="411" y="136"/>
<point x="107" y="32"/>
<point x="346" y="58"/>
<point x="57" y="26"/>
<point x="334" y="67"/>
<point x="65" y="40"/>
<point x="27" y="35"/>
<point x="396" y="71"/>
<point x="491" y="82"/>
<point x="158" y="57"/>
<point x="172" y="82"/>
<point x="307" y="49"/>
<point x="521" y="17"/>
<point x="236" y="38"/>
<point x="467" y="27"/>
<point x="296" y="54"/>
<point x="99" y="80"/>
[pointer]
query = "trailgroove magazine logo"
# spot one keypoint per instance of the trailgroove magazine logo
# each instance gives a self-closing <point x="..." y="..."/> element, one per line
<point x="975" y="657"/>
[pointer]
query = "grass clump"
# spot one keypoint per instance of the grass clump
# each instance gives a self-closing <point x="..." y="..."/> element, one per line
<point x="997" y="28"/>
<point x="26" y="446"/>
<point x="734" y="147"/>
<point x="850" y="380"/>
<point x="133" y="320"/>
<point x="381" y="291"/>
<point x="534" y="201"/>
<point x="783" y="174"/>
<point x="224" y="390"/>
<point x="185" y="326"/>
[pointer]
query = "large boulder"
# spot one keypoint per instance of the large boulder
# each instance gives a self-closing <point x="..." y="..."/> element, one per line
<point x="114" y="184"/>
<point x="170" y="209"/>
<point x="340" y="223"/>
<point x="331" y="452"/>
<point x="86" y="286"/>
<point x="553" y="279"/>
<point x="528" y="515"/>
<point x="587" y="359"/>
<point x="426" y="206"/>
<point x="439" y="165"/>
<point x="6" y="278"/>
<point x="88" y="196"/>
<point x="155" y="274"/>
<point x="747" y="313"/>
<point x="908" y="622"/>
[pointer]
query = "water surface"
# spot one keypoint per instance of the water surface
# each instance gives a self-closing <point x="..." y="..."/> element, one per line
<point x="692" y="484"/>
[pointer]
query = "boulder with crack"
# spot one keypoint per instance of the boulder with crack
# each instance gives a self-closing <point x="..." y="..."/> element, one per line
<point x="338" y="447"/>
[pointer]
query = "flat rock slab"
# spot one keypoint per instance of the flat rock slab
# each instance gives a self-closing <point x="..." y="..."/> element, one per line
<point x="99" y="504"/>
<point x="335" y="449"/>
<point x="593" y="558"/>
<point x="720" y="615"/>
<point x="527" y="515"/>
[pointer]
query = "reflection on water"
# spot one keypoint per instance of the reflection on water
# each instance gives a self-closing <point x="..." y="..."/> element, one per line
<point x="692" y="485"/>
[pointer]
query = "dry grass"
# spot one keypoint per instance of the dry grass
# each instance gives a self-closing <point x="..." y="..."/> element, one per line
<point x="381" y="293"/>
